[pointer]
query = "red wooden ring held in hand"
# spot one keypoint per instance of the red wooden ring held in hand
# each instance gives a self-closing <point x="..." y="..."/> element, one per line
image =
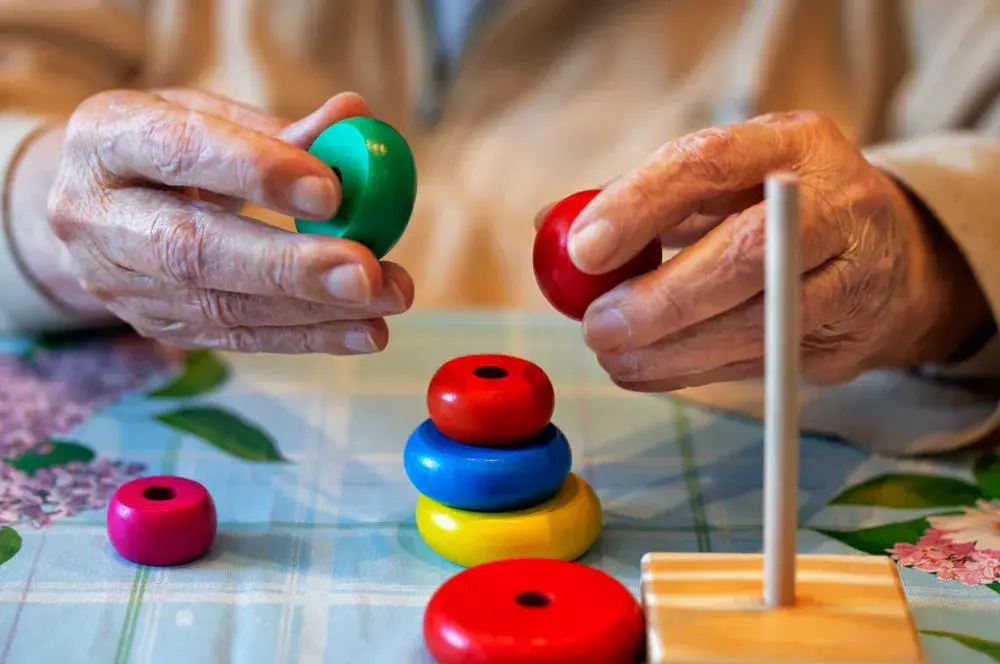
<point x="490" y="400"/>
<point x="565" y="287"/>
<point x="161" y="520"/>
<point x="533" y="611"/>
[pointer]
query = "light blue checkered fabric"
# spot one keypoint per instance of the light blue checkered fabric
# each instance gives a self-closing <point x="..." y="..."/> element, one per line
<point x="318" y="559"/>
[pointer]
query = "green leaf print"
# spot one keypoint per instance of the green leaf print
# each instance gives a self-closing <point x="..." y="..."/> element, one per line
<point x="10" y="543"/>
<point x="203" y="372"/>
<point x="989" y="648"/>
<point x="62" y="453"/>
<point x="987" y="473"/>
<point x="910" y="492"/>
<point x="225" y="431"/>
<point x="878" y="539"/>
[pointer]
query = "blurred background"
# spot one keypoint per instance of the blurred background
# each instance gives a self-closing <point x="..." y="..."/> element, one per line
<point x="513" y="104"/>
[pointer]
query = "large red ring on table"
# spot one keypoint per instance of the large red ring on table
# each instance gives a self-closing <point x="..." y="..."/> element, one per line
<point x="533" y="611"/>
<point x="566" y="288"/>
<point x="161" y="520"/>
<point x="490" y="399"/>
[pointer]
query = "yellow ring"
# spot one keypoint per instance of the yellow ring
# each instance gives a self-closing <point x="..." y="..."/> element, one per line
<point x="563" y="527"/>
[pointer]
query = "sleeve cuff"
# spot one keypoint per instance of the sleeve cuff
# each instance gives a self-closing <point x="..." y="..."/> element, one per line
<point x="957" y="177"/>
<point x="24" y="308"/>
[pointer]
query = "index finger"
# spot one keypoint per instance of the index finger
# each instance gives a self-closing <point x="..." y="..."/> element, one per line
<point x="142" y="137"/>
<point x="677" y="181"/>
<point x="186" y="244"/>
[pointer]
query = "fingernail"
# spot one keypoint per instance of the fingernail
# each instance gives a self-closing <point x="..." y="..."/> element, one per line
<point x="348" y="282"/>
<point x="314" y="196"/>
<point x="391" y="301"/>
<point x="592" y="245"/>
<point x="359" y="341"/>
<point x="606" y="329"/>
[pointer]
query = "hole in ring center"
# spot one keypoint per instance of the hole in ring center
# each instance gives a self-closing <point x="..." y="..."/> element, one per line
<point x="533" y="600"/>
<point x="490" y="371"/>
<point x="159" y="493"/>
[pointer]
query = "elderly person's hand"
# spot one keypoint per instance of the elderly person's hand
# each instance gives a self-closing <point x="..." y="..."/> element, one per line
<point x="882" y="286"/>
<point x="147" y="199"/>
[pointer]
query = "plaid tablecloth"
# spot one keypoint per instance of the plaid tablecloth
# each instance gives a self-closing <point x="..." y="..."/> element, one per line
<point x="318" y="558"/>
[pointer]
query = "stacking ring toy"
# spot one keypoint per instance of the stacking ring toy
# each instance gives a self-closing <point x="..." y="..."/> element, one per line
<point x="490" y="399"/>
<point x="563" y="527"/>
<point x="486" y="479"/>
<point x="533" y="611"/>
<point x="379" y="182"/>
<point x="161" y="520"/>
<point x="566" y="288"/>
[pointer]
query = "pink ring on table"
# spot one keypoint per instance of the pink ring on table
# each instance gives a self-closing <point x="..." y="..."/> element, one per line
<point x="161" y="520"/>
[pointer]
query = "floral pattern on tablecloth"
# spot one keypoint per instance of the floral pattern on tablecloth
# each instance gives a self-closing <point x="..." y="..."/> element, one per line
<point x="57" y="383"/>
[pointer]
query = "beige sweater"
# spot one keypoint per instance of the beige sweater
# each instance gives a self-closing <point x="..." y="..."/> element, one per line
<point x="556" y="95"/>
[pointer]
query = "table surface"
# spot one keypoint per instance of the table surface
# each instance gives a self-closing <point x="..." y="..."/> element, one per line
<point x="317" y="557"/>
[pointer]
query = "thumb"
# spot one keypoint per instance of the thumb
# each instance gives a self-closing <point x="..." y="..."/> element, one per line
<point x="303" y="133"/>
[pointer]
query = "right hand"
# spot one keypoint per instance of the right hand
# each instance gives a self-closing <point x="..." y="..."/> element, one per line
<point x="147" y="199"/>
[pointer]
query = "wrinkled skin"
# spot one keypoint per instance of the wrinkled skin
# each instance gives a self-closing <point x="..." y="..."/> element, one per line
<point x="147" y="200"/>
<point x="879" y="284"/>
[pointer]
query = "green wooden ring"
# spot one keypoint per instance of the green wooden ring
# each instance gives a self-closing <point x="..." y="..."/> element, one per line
<point x="379" y="182"/>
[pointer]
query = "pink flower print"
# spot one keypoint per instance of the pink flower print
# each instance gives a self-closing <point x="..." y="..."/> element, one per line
<point x="935" y="553"/>
<point x="52" y="391"/>
<point x="979" y="569"/>
<point x="910" y="555"/>
<point x="46" y="395"/>
<point x="59" y="492"/>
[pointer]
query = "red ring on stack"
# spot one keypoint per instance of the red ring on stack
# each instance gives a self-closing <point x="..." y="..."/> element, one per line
<point x="490" y="400"/>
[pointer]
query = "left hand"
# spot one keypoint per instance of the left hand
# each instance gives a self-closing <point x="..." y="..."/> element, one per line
<point x="880" y="284"/>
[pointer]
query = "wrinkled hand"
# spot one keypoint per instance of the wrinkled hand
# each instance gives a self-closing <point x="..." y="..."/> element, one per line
<point x="877" y="285"/>
<point x="147" y="200"/>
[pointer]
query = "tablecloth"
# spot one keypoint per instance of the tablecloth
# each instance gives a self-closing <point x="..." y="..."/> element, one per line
<point x="317" y="557"/>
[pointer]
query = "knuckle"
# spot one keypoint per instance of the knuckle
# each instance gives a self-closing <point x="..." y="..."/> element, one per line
<point x="284" y="268"/>
<point x="643" y="192"/>
<point x="179" y="244"/>
<point x="244" y="340"/>
<point x="816" y="123"/>
<point x="88" y="116"/>
<point x="92" y="124"/>
<point x="823" y="124"/>
<point x="219" y="309"/>
<point x="700" y="154"/>
<point x="62" y="210"/>
<point x="743" y="259"/>
<point x="711" y="155"/>
<point x="867" y="199"/>
<point x="669" y="307"/>
<point x="174" y="147"/>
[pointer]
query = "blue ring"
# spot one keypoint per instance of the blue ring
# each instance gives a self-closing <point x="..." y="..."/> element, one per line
<point x="486" y="479"/>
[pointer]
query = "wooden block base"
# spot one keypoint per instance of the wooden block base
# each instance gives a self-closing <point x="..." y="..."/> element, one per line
<point x="704" y="608"/>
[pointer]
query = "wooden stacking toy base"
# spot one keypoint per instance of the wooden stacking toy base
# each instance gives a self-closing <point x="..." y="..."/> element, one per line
<point x="704" y="608"/>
